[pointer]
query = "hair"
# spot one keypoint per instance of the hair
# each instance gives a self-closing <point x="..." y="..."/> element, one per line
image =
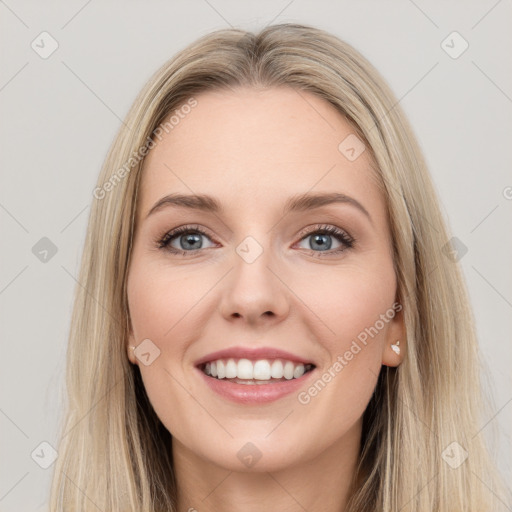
<point x="114" y="452"/>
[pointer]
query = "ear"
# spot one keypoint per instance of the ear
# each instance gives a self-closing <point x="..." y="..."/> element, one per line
<point x="131" y="343"/>
<point x="396" y="332"/>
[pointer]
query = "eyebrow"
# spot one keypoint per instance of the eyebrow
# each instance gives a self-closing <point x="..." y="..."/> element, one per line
<point x="298" y="203"/>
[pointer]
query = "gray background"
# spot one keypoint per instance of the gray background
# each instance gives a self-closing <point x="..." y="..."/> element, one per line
<point x="60" y="114"/>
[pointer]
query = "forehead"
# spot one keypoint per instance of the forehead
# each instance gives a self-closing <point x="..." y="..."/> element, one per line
<point x="251" y="147"/>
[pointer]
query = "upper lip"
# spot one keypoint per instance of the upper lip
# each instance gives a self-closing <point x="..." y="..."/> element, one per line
<point x="253" y="353"/>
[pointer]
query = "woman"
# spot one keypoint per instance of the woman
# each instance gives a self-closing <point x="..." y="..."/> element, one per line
<point x="266" y="317"/>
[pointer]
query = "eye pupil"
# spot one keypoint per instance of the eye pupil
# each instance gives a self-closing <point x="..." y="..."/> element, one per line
<point x="191" y="239"/>
<point x="324" y="241"/>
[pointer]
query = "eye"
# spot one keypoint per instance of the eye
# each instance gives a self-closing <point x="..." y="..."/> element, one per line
<point x="321" y="239"/>
<point x="188" y="240"/>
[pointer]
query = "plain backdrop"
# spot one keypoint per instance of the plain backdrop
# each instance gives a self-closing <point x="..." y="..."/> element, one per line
<point x="59" y="115"/>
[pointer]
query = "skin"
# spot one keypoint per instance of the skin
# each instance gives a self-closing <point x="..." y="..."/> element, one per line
<point x="252" y="150"/>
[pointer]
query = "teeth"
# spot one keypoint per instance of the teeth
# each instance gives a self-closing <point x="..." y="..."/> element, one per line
<point x="245" y="369"/>
<point x="276" y="371"/>
<point x="298" y="371"/>
<point x="221" y="369"/>
<point x="260" y="370"/>
<point x="288" y="370"/>
<point x="231" y="369"/>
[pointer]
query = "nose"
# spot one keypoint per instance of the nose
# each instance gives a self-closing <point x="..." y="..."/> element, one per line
<point x="254" y="292"/>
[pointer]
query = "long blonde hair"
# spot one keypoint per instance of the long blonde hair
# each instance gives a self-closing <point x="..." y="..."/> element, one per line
<point x="114" y="452"/>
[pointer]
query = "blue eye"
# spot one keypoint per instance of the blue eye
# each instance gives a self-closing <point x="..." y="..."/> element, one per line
<point x="189" y="239"/>
<point x="321" y="238"/>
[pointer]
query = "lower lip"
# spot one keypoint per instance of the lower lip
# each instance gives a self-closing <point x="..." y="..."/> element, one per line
<point x="254" y="393"/>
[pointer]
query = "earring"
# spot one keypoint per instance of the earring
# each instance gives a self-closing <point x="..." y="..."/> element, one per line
<point x="133" y="348"/>
<point x="395" y="348"/>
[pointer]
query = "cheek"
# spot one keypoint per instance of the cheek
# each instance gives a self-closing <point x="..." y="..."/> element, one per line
<point x="351" y="301"/>
<point x="168" y="307"/>
<point x="162" y="302"/>
<point x="357" y="306"/>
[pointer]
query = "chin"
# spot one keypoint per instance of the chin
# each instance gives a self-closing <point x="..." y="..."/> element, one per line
<point x="252" y="454"/>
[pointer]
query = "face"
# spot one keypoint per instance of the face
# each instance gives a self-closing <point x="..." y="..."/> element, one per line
<point x="291" y="302"/>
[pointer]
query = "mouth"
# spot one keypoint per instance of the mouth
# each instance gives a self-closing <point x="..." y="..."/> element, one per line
<point x="254" y="375"/>
<point x="255" y="372"/>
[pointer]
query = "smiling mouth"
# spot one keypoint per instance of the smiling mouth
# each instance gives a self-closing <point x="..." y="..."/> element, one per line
<point x="261" y="371"/>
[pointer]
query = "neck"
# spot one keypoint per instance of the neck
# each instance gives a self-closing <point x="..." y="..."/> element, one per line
<point x="322" y="483"/>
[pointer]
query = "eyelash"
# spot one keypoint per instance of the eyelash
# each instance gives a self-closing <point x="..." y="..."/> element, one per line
<point x="341" y="236"/>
